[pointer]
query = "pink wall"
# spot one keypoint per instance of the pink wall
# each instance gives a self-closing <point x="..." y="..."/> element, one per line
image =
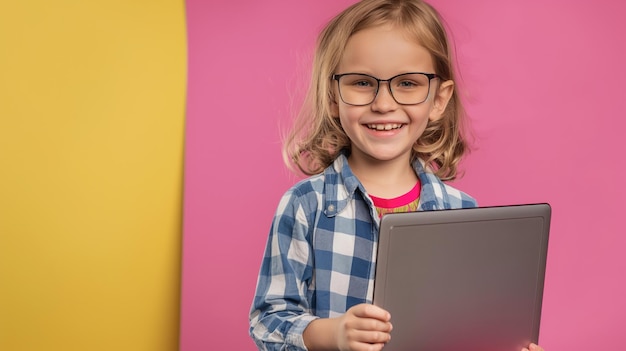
<point x="544" y="85"/>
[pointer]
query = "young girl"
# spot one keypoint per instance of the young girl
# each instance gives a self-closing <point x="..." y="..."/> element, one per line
<point x="382" y="129"/>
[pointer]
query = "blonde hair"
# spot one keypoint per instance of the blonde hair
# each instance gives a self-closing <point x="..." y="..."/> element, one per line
<point x="316" y="137"/>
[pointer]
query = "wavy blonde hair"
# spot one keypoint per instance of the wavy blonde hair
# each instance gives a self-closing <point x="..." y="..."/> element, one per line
<point x="316" y="138"/>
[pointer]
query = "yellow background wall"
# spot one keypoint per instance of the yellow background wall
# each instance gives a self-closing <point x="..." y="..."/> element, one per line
<point x="92" y="97"/>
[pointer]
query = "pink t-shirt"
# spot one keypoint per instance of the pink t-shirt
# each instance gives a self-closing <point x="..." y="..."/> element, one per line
<point x="403" y="203"/>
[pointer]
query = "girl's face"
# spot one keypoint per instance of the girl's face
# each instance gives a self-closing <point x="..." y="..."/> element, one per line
<point x="385" y="130"/>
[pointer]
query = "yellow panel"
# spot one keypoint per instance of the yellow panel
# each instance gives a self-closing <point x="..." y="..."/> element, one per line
<point x="92" y="96"/>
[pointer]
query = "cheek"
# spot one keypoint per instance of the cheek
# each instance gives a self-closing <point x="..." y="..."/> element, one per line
<point x="420" y="114"/>
<point x="349" y="118"/>
<point x="348" y="114"/>
<point x="345" y="121"/>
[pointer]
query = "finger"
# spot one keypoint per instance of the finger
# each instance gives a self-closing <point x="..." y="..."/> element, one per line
<point x="533" y="347"/>
<point x="370" y="337"/>
<point x="371" y="311"/>
<point x="369" y="324"/>
<point x="363" y="346"/>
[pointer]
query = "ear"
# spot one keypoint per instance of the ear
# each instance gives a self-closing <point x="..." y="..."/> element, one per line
<point x="441" y="99"/>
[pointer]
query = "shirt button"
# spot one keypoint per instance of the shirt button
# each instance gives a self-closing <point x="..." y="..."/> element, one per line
<point x="331" y="208"/>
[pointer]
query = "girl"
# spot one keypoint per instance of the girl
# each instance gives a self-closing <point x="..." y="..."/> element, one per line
<point x="382" y="129"/>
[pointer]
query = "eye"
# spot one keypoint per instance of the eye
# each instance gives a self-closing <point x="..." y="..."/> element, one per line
<point x="408" y="84"/>
<point x="411" y="82"/>
<point x="362" y="83"/>
<point x="358" y="81"/>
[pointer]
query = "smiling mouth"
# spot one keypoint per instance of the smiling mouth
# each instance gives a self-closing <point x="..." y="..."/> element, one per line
<point x="388" y="126"/>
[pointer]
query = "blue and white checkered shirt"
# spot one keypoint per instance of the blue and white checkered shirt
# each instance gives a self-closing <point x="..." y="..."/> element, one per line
<point x="320" y="255"/>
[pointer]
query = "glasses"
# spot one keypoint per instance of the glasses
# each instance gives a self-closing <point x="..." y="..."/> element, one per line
<point x="359" y="89"/>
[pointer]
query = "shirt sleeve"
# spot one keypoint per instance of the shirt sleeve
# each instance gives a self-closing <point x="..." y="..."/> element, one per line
<point x="281" y="308"/>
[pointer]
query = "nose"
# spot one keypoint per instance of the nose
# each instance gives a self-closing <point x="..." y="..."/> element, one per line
<point x="384" y="101"/>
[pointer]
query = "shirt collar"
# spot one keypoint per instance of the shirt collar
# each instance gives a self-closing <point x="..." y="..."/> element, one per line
<point x="433" y="194"/>
<point x="341" y="184"/>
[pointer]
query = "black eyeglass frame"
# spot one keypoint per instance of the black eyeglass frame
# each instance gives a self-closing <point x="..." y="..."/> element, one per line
<point x="430" y="77"/>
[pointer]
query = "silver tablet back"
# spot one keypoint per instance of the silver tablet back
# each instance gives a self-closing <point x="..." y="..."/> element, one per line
<point x="469" y="279"/>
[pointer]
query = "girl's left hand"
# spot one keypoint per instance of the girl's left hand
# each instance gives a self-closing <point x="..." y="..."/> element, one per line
<point x="533" y="347"/>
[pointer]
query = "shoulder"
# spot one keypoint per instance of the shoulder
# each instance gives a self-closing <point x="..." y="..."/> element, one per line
<point x="333" y="187"/>
<point x="457" y="198"/>
<point x="331" y="183"/>
<point x="308" y="187"/>
<point x="302" y="199"/>
<point x="446" y="196"/>
<point x="437" y="195"/>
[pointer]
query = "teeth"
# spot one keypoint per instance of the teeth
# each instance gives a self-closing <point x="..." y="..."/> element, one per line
<point x="389" y="126"/>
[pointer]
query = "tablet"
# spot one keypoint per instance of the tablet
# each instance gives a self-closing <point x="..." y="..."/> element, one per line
<point x="466" y="279"/>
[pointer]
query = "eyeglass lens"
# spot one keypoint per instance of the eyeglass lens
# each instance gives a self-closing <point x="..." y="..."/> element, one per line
<point x="406" y="89"/>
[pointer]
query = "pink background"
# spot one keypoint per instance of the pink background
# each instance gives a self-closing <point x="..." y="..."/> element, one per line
<point x="543" y="82"/>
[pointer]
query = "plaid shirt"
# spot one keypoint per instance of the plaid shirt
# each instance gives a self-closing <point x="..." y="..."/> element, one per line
<point x="320" y="255"/>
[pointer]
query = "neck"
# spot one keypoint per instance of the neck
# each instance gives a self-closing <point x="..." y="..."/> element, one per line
<point x="384" y="179"/>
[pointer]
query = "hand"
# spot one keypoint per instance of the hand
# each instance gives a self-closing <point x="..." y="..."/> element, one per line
<point x="533" y="347"/>
<point x="364" y="327"/>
